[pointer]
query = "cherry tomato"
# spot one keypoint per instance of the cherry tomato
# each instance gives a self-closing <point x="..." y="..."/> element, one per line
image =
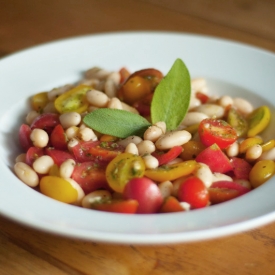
<point x="245" y="144"/>
<point x="123" y="168"/>
<point x="191" y="149"/>
<point x="117" y="206"/>
<point x="202" y="97"/>
<point x="171" y="172"/>
<point x="124" y="74"/>
<point x="241" y="168"/>
<point x="215" y="158"/>
<point x="58" y="156"/>
<point x="237" y="121"/>
<point x="90" y="176"/>
<point x="164" y="158"/>
<point x="143" y="105"/>
<point x="32" y="154"/>
<point x="146" y="192"/>
<point x="216" y="131"/>
<point x="73" y="100"/>
<point x="221" y="191"/>
<point x="171" y="204"/>
<point x="58" y="138"/>
<point x="24" y="136"/>
<point x="194" y="192"/>
<point x="39" y="101"/>
<point x="46" y="121"/>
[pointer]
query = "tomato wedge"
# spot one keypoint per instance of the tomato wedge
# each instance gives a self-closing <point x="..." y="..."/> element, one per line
<point x="164" y="158"/>
<point x="58" y="156"/>
<point x="24" y="136"/>
<point x="46" y="122"/>
<point x="216" y="131"/>
<point x="170" y="205"/>
<point x="58" y="138"/>
<point x="32" y="154"/>
<point x="241" y="168"/>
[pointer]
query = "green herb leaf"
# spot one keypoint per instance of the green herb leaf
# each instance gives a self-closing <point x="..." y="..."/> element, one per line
<point x="172" y="96"/>
<point x="118" y="123"/>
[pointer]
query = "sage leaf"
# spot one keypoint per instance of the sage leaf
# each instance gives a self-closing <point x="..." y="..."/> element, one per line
<point x="172" y="96"/>
<point x="118" y="123"/>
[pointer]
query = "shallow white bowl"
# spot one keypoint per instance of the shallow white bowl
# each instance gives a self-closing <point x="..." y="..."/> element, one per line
<point x="230" y="68"/>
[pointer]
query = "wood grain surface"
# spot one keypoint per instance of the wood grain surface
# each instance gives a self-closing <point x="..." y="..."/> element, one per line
<point x="31" y="22"/>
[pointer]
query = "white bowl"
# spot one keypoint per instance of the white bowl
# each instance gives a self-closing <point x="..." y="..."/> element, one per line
<point x="230" y="68"/>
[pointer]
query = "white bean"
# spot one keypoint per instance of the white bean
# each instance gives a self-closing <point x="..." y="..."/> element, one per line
<point x="225" y="101"/>
<point x="50" y="108"/>
<point x="232" y="150"/>
<point x="39" y="138"/>
<point x="204" y="174"/>
<point x="166" y="188"/>
<point x="129" y="108"/>
<point x="21" y="158"/>
<point x="72" y="132"/>
<point x="72" y="143"/>
<point x="54" y="93"/>
<point x="131" y="148"/>
<point x="211" y="110"/>
<point x="194" y="103"/>
<point x="94" y="197"/>
<point x="199" y="85"/>
<point x="97" y="73"/>
<point x="90" y="82"/>
<point x="115" y="77"/>
<point x="110" y="88"/>
<point x="152" y="133"/>
<point x="253" y="152"/>
<point x="220" y="176"/>
<point x="31" y="116"/>
<point x="146" y="147"/>
<point x="70" y="119"/>
<point x="87" y="134"/>
<point x="115" y="103"/>
<point x="161" y="125"/>
<point x="97" y="98"/>
<point x="66" y="168"/>
<point x="185" y="205"/>
<point x="26" y="174"/>
<point x="192" y="118"/>
<point x="243" y="105"/>
<point x="150" y="161"/>
<point x="268" y="155"/>
<point x="173" y="138"/>
<point x="43" y="164"/>
<point x="130" y="139"/>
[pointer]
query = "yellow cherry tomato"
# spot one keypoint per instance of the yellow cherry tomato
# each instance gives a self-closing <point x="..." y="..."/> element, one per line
<point x="73" y="100"/>
<point x="268" y="145"/>
<point x="39" y="101"/>
<point x="58" y="189"/>
<point x="191" y="149"/>
<point x="258" y="121"/>
<point x="261" y="172"/>
<point x="245" y="144"/>
<point x="171" y="172"/>
<point x="237" y="121"/>
<point x="54" y="171"/>
<point x="122" y="168"/>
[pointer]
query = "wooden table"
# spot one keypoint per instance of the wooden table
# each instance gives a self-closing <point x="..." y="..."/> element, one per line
<point x="31" y="22"/>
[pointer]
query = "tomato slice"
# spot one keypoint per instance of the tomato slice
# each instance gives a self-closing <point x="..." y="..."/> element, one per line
<point x="58" y="138"/>
<point x="221" y="191"/>
<point x="24" y="136"/>
<point x="241" y="168"/>
<point x="215" y="158"/>
<point x="170" y="205"/>
<point x="46" y="121"/>
<point x="237" y="121"/>
<point x="164" y="158"/>
<point x="32" y="154"/>
<point x="90" y="176"/>
<point x="58" y="156"/>
<point x="171" y="172"/>
<point x="117" y="206"/>
<point x="216" y="131"/>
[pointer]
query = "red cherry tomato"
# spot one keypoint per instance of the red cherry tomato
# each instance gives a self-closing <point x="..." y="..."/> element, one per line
<point x="90" y="176"/>
<point x="24" y="136"/>
<point x="58" y="156"/>
<point x="58" y="138"/>
<point x="221" y="191"/>
<point x="194" y="192"/>
<point x="171" y="204"/>
<point x="32" y="154"/>
<point x="216" y="131"/>
<point x="164" y="158"/>
<point x="202" y="97"/>
<point x="215" y="158"/>
<point x="144" y="105"/>
<point x="241" y="168"/>
<point x="46" y="121"/>
<point x="146" y="192"/>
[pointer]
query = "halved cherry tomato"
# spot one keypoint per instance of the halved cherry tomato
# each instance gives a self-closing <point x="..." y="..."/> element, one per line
<point x="58" y="156"/>
<point x="202" y="97"/>
<point x="24" y="136"/>
<point x="191" y="149"/>
<point x="46" y="121"/>
<point x="170" y="205"/>
<point x="32" y="154"/>
<point x="90" y="176"/>
<point x="216" y="131"/>
<point x="117" y="206"/>
<point x="241" y="168"/>
<point x="39" y="101"/>
<point x="249" y="142"/>
<point x="165" y="157"/>
<point x="124" y="74"/>
<point x="58" y="138"/>
<point x="221" y="191"/>
<point x="73" y="100"/>
<point x="215" y="158"/>
<point x="194" y="192"/>
<point x="171" y="172"/>
<point x="123" y="168"/>
<point x="144" y="105"/>
<point x="237" y="121"/>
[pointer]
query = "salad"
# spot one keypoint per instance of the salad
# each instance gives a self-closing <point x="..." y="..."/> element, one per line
<point x="143" y="143"/>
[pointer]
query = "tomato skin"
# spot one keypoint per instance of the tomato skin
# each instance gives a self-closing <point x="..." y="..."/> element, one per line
<point x="146" y="192"/>
<point x="164" y="158"/>
<point x="46" y="121"/>
<point x="32" y="154"/>
<point x="215" y="158"/>
<point x="58" y="138"/>
<point x="194" y="192"/>
<point x="222" y="191"/>
<point x="24" y="136"/>
<point x="124" y="74"/>
<point x="58" y="156"/>
<point x="144" y="105"/>
<point x="202" y="97"/>
<point x="117" y="206"/>
<point x="216" y="131"/>
<point x="241" y="168"/>
<point x="170" y="205"/>
<point x="90" y="176"/>
<point x="191" y="149"/>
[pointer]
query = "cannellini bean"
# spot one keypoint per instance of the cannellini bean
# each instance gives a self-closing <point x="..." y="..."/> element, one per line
<point x="268" y="155"/>
<point x="225" y="101"/>
<point x="150" y="162"/>
<point x="25" y="173"/>
<point x="185" y="205"/>
<point x="97" y="73"/>
<point x="131" y="148"/>
<point x="174" y="161"/>
<point x="92" y="108"/>
<point x="72" y="132"/>
<point x="171" y="139"/>
<point x="243" y="105"/>
<point x="87" y="134"/>
<point x="115" y="103"/>
<point x="54" y="93"/>
<point x="220" y="176"/>
<point x="97" y="98"/>
<point x="194" y="103"/>
<point x="129" y="108"/>
<point x="232" y="150"/>
<point x="110" y="88"/>
<point x="211" y="110"/>
<point x="95" y="196"/>
<point x="50" y="108"/>
<point x="31" y="116"/>
<point x="166" y="188"/>
<point x="161" y="125"/>
<point x="146" y="147"/>
<point x="204" y="174"/>
<point x="72" y="143"/>
<point x="21" y="158"/>
<point x="199" y="85"/>
<point x="43" y="164"/>
<point x="192" y="118"/>
<point x="95" y="83"/>
<point x="70" y="119"/>
<point x="253" y="152"/>
<point x="80" y="192"/>
<point x="115" y="77"/>
<point x="153" y="133"/>
<point x="66" y="168"/>
<point x="131" y="139"/>
<point x="39" y="138"/>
